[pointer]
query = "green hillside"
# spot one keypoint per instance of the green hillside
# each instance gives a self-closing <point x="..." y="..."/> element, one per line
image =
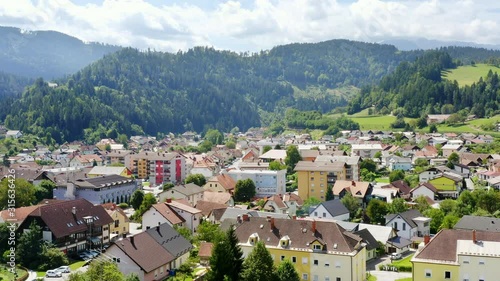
<point x="468" y="74"/>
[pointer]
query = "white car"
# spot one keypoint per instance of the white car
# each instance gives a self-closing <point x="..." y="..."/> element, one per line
<point x="53" y="273"/>
<point x="395" y="256"/>
<point x="63" y="269"/>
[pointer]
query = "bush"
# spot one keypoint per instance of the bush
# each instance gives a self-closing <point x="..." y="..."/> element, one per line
<point x="399" y="268"/>
<point x="123" y="205"/>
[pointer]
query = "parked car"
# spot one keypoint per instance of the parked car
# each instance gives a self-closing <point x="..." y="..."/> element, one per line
<point x="53" y="273"/>
<point x="63" y="269"/>
<point x="395" y="256"/>
<point x="95" y="253"/>
<point x="85" y="256"/>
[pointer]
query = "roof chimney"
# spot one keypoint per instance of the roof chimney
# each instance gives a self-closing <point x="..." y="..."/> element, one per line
<point x="268" y="218"/>
<point x="132" y="241"/>
<point x="353" y="183"/>
<point x="294" y="217"/>
<point x="272" y="224"/>
<point x="169" y="200"/>
<point x="474" y="236"/>
<point x="245" y="217"/>
<point x="73" y="210"/>
<point x="427" y="239"/>
<point x="313" y="227"/>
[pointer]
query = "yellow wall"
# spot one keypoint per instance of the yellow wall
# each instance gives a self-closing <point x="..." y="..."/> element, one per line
<point x="437" y="271"/>
<point x="301" y="268"/>
<point x="122" y="223"/>
<point x="142" y="168"/>
<point x="312" y="184"/>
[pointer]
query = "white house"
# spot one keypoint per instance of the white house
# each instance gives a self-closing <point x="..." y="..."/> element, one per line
<point x="191" y="192"/>
<point x="423" y="189"/>
<point x="333" y="209"/>
<point x="266" y="182"/>
<point x="190" y="215"/>
<point x="159" y="214"/>
<point x="428" y="174"/>
<point x="399" y="163"/>
<point x="365" y="150"/>
<point x="13" y="134"/>
<point x="409" y="224"/>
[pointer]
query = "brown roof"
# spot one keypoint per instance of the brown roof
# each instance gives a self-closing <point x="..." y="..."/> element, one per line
<point x="207" y="207"/>
<point x="112" y="207"/>
<point x="300" y="233"/>
<point x="168" y="213"/>
<point x="227" y="182"/>
<point x="428" y="185"/>
<point x="88" y="158"/>
<point x="356" y="188"/>
<point x="443" y="247"/>
<point x="20" y="215"/>
<point x="59" y="217"/>
<point x="400" y="185"/>
<point x="205" y="250"/>
<point x="293" y="197"/>
<point x="216" y="197"/>
<point x="145" y="251"/>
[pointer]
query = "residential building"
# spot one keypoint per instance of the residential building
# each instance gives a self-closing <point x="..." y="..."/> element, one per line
<point x="205" y="252"/>
<point x="399" y="163"/>
<point x="287" y="203"/>
<point x="371" y="244"/>
<point x="409" y="224"/>
<point x="388" y="237"/>
<point x="118" y="156"/>
<point x="423" y="189"/>
<point x="267" y="183"/>
<point x="190" y="215"/>
<point x="319" y="250"/>
<point x="219" y="198"/>
<point x="158" y="168"/>
<point x="72" y="226"/>
<point x="429" y="174"/>
<point x="402" y="188"/>
<point x="151" y="254"/>
<point x="105" y="189"/>
<point x="366" y="150"/>
<point x="458" y="254"/>
<point x="191" y="192"/>
<point x="448" y="184"/>
<point x="99" y="171"/>
<point x="313" y="178"/>
<point x="358" y="189"/>
<point x="159" y="214"/>
<point x="120" y="226"/>
<point x="352" y="170"/>
<point x="478" y="223"/>
<point x="437" y="118"/>
<point x="86" y="161"/>
<point x="273" y="155"/>
<point x="332" y="209"/>
<point x="448" y="149"/>
<point x="220" y="184"/>
<point x="15" y="134"/>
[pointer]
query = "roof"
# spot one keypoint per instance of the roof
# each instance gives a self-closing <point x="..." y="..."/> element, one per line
<point x="427" y="185"/>
<point x="275" y="154"/>
<point x="154" y="156"/>
<point x="443" y="247"/>
<point x="184" y="207"/>
<point x="205" y="250"/>
<point x="103" y="181"/>
<point x="334" y="207"/>
<point x="206" y="207"/>
<point x="170" y="239"/>
<point x="399" y="242"/>
<point x="145" y="251"/>
<point x="112" y="207"/>
<point x="105" y="170"/>
<point x="479" y="223"/>
<point x="188" y="189"/>
<point x="322" y="166"/>
<point x="233" y="213"/>
<point x="366" y="146"/>
<point x="407" y="216"/>
<point x="368" y="238"/>
<point x="87" y="158"/>
<point x="356" y="188"/>
<point x="59" y="217"/>
<point x="20" y="214"/>
<point x="227" y="182"/>
<point x="401" y="185"/>
<point x="299" y="232"/>
<point x="169" y="214"/>
<point x="216" y="197"/>
<point x="381" y="233"/>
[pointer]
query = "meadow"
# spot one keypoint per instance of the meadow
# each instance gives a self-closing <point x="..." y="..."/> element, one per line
<point x="468" y="74"/>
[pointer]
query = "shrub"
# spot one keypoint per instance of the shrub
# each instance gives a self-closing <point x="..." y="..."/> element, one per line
<point x="123" y="205"/>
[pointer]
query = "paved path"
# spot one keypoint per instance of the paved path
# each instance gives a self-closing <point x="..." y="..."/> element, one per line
<point x="389" y="275"/>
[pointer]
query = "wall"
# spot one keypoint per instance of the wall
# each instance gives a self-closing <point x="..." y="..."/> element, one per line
<point x="489" y="268"/>
<point x="437" y="271"/>
<point x="126" y="264"/>
<point x="152" y="218"/>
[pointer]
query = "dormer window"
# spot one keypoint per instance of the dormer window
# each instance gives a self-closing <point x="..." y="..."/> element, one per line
<point x="254" y="238"/>
<point x="318" y="247"/>
<point x="284" y="241"/>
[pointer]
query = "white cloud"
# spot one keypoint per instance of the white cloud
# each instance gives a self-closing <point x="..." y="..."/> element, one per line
<point x="262" y="24"/>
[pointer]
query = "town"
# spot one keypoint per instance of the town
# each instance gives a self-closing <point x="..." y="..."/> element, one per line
<point x="360" y="205"/>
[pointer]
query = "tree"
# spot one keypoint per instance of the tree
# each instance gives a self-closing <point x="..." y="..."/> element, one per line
<point x="244" y="191"/>
<point x="448" y="206"/>
<point x="433" y="128"/>
<point x="396" y="175"/>
<point x="29" y="246"/>
<point x="184" y="232"/>
<point x="220" y="268"/>
<point x="236" y="254"/>
<point x="329" y="193"/>
<point x="449" y="222"/>
<point x="398" y="205"/>
<point x="266" y="148"/>
<point x="168" y="186"/>
<point x="52" y="257"/>
<point x="276" y="166"/>
<point x="292" y="157"/>
<point x="107" y="147"/>
<point x="453" y="159"/>
<point x="197" y="179"/>
<point x="214" y="136"/>
<point x="136" y="199"/>
<point x="376" y="211"/>
<point x="231" y="144"/>
<point x="287" y="272"/>
<point x="104" y="270"/>
<point x="378" y="155"/>
<point x="205" y="146"/>
<point x="24" y="196"/>
<point x="45" y="190"/>
<point x="351" y="203"/>
<point x="367" y="175"/>
<point x="436" y="216"/>
<point x="369" y="165"/>
<point x="259" y="265"/>
<point x="209" y="232"/>
<point x="421" y="204"/>
<point x="5" y="161"/>
<point x="309" y="202"/>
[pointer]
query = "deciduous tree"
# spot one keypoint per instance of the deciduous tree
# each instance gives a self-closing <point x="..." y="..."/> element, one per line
<point x="197" y="179"/>
<point x="287" y="272"/>
<point x="244" y="190"/>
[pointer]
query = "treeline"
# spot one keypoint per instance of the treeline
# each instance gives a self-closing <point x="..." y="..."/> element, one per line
<point x="417" y="89"/>
<point x="12" y="85"/>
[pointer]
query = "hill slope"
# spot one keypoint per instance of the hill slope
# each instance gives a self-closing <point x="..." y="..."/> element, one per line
<point x="46" y="54"/>
<point x="469" y="74"/>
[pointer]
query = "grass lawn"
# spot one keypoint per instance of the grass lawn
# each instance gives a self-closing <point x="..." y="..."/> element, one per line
<point x="371" y="278"/>
<point x="5" y="274"/>
<point x="382" y="180"/>
<point x="473" y="126"/>
<point x="73" y="265"/>
<point x="382" y="123"/>
<point x="466" y="75"/>
<point x="404" y="262"/>
<point x="404" y="279"/>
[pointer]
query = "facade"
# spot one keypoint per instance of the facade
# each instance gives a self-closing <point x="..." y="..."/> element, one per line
<point x="190" y="215"/>
<point x="366" y="150"/>
<point x="319" y="250"/>
<point x="191" y="192"/>
<point x="424" y="189"/>
<point x="267" y="183"/>
<point x="159" y="214"/>
<point x="158" y="168"/>
<point x="447" y="185"/>
<point x="86" y="161"/>
<point x="121" y="222"/>
<point x="428" y="174"/>
<point x="106" y="189"/>
<point x="72" y="226"/>
<point x="118" y="156"/>
<point x="222" y="183"/>
<point x="409" y="224"/>
<point x="399" y="163"/>
<point x="352" y="171"/>
<point x="313" y="178"/>
<point x="287" y="203"/>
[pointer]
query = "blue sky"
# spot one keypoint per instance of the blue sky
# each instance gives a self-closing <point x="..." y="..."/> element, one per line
<point x="253" y="25"/>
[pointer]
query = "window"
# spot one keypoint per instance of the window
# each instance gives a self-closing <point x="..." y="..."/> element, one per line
<point x="117" y="223"/>
<point x="282" y="258"/>
<point x="312" y="178"/>
<point x="315" y="278"/>
<point x="404" y="226"/>
<point x="395" y="225"/>
<point x="338" y="279"/>
<point x="428" y="273"/>
<point x="447" y="275"/>
<point x="315" y="214"/>
<point x="327" y="278"/>
<point x="304" y="260"/>
<point x="317" y="247"/>
<point x="304" y="276"/>
<point x="324" y="215"/>
<point x="481" y="262"/>
<point x="327" y="264"/>
<point x="315" y="262"/>
<point x="294" y="259"/>
<point x="321" y="185"/>
<point x="337" y="264"/>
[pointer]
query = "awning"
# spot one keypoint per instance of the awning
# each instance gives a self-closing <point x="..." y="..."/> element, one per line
<point x="95" y="240"/>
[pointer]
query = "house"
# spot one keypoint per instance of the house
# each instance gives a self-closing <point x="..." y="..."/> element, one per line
<point x="462" y="170"/>
<point x="478" y="223"/>
<point x="448" y="149"/>
<point x="366" y="150"/>
<point x="72" y="226"/>
<point x="494" y="182"/>
<point x="428" y="174"/>
<point x="358" y="189"/>
<point x="437" y="118"/>
<point x="191" y="192"/>
<point x="448" y="184"/>
<point x="207" y="207"/>
<point x="458" y="254"/>
<point x="86" y="161"/>
<point x="371" y="243"/>
<point x="399" y="163"/>
<point x="221" y="183"/>
<point x="287" y="203"/>
<point x="403" y="189"/>
<point x="161" y="213"/>
<point x="151" y="254"/>
<point x="158" y="168"/>
<point x="410" y="150"/>
<point x="409" y="224"/>
<point x="273" y="155"/>
<point x="423" y="189"/>
<point x="314" y="247"/>
<point x="15" y="134"/>
<point x="99" y="171"/>
<point x="388" y="237"/>
<point x="267" y="183"/>
<point x="105" y="189"/>
<point x="313" y="178"/>
<point x="118" y="156"/>
<point x="332" y="209"/>
<point x="120" y="226"/>
<point x="352" y="163"/>
<point x="190" y="215"/>
<point x="220" y="198"/>
<point x="205" y="252"/>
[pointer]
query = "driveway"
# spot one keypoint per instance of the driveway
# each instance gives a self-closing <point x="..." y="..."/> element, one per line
<point x="389" y="275"/>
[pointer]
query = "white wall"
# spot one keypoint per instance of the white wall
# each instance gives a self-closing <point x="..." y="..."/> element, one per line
<point x="152" y="218"/>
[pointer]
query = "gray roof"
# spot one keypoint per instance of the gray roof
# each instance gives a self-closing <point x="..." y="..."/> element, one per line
<point x="188" y="189"/>
<point x="233" y="213"/>
<point x="334" y="207"/>
<point x="479" y="223"/>
<point x="103" y="181"/>
<point x="368" y="238"/>
<point x="407" y="216"/>
<point x="170" y="239"/>
<point x="399" y="242"/>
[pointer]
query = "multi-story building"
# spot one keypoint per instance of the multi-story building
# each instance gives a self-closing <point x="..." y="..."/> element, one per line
<point x="458" y="254"/>
<point x="121" y="222"/>
<point x="352" y="170"/>
<point x="267" y="183"/>
<point x="158" y="168"/>
<point x="99" y="171"/>
<point x="72" y="226"/>
<point x="118" y="156"/>
<point x="313" y="178"/>
<point x="366" y="150"/>
<point x="319" y="250"/>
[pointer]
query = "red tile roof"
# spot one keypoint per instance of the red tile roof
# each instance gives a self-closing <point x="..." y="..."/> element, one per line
<point x="168" y="213"/>
<point x="205" y="250"/>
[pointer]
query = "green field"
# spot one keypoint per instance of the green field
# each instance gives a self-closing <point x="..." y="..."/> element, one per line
<point x="466" y="75"/>
<point x="473" y="126"/>
<point x="382" y="123"/>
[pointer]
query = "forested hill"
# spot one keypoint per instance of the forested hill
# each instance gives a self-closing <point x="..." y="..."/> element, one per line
<point x="12" y="85"/>
<point x="47" y="54"/>
<point x="131" y="91"/>
<point x="417" y="89"/>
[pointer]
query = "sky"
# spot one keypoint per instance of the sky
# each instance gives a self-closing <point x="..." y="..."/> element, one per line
<point x="254" y="25"/>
